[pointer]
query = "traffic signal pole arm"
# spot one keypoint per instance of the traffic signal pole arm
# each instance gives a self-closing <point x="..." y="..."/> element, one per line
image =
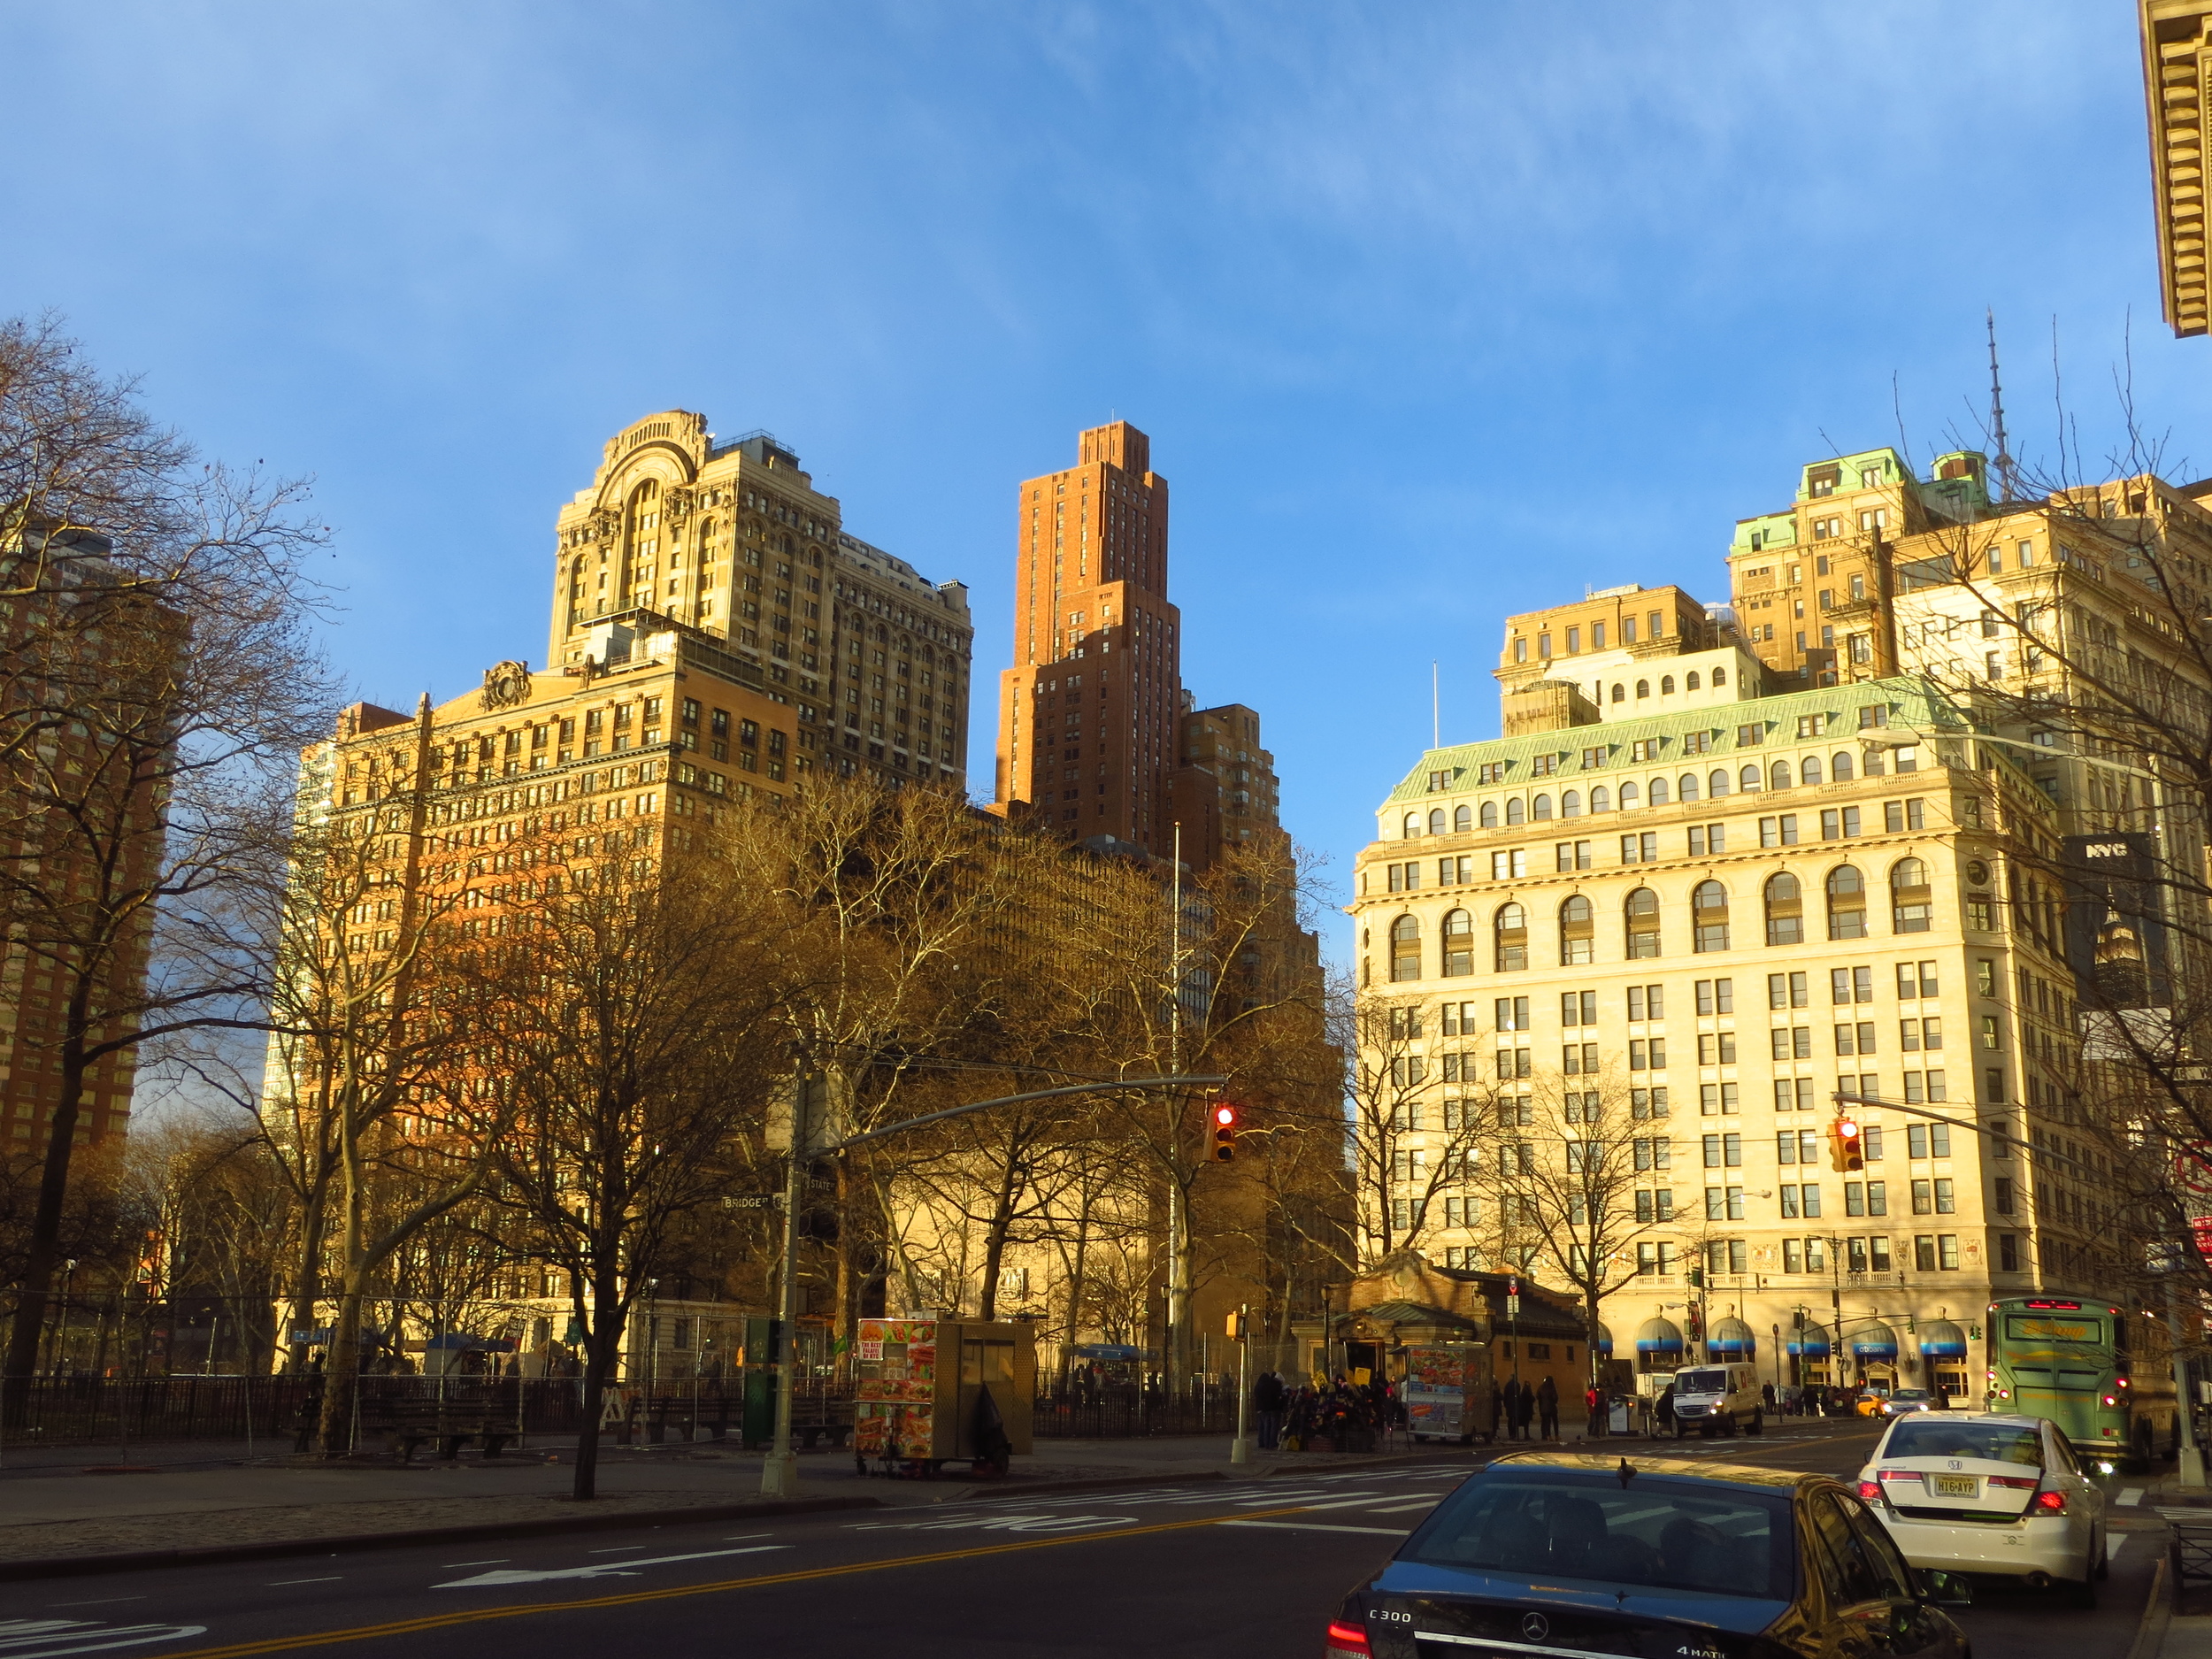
<point x="1971" y="1127"/>
<point x="1013" y="1100"/>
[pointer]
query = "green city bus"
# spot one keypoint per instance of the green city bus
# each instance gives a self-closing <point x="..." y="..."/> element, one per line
<point x="2069" y="1360"/>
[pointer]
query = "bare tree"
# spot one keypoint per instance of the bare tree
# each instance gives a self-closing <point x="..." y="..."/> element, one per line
<point x="1573" y="1183"/>
<point x="1415" y="1129"/>
<point x="156" y="686"/>
<point x="625" y="1021"/>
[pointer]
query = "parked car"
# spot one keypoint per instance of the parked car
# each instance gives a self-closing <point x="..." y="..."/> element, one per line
<point x="1556" y="1553"/>
<point x="1906" y="1399"/>
<point x="1980" y="1492"/>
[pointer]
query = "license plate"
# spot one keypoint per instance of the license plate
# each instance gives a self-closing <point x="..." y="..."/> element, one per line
<point x="1956" y="1486"/>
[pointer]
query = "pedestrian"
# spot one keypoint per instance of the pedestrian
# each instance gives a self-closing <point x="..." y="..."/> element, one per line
<point x="1664" y="1413"/>
<point x="1267" y="1401"/>
<point x="1766" y="1393"/>
<point x="1497" y="1409"/>
<point x="1525" y="1413"/>
<point x="1511" y="1400"/>
<point x="1594" y="1403"/>
<point x="1547" y="1409"/>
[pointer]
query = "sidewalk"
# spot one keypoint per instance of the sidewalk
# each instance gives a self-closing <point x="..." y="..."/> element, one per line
<point x="76" y="1518"/>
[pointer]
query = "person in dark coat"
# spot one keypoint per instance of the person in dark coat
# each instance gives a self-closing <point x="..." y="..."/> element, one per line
<point x="1267" y="1401"/>
<point x="1547" y="1410"/>
<point x="1511" y="1401"/>
<point x="1663" y="1413"/>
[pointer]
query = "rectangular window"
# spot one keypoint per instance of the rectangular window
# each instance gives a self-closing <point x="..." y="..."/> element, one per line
<point x="1787" y="990"/>
<point x="1717" y="1048"/>
<point x="1707" y="840"/>
<point x="1512" y="1013"/>
<point x="1946" y="1252"/>
<point x="1779" y="831"/>
<point x="1945" y="1204"/>
<point x="1578" y="1008"/>
<point x="1569" y="856"/>
<point x="1753" y="732"/>
<point x="1509" y="865"/>
<point x="1839" y="823"/>
<point x="1716" y="996"/>
<point x="1644" y="748"/>
<point x="1922" y="1199"/>
<point x="1877" y="1198"/>
<point x="2008" y="1252"/>
<point x="1646" y="1002"/>
<point x="1854" y="1198"/>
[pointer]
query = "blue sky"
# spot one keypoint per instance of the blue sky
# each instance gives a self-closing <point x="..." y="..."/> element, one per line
<point x="1433" y="311"/>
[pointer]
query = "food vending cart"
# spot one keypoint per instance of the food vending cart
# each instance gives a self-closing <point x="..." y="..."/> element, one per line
<point x="1447" y="1391"/>
<point x="929" y="1392"/>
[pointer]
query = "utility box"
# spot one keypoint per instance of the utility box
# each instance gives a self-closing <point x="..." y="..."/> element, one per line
<point x="933" y="1391"/>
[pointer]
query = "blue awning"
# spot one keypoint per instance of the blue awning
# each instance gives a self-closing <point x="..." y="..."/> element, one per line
<point x="1659" y="1336"/>
<point x="456" y="1340"/>
<point x="1809" y="1342"/>
<point x="1874" y="1341"/>
<point x="1940" y="1339"/>
<point x="1111" y="1350"/>
<point x="1732" y="1339"/>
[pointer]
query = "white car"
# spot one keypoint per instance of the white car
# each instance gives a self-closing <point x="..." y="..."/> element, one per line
<point x="2003" y="1496"/>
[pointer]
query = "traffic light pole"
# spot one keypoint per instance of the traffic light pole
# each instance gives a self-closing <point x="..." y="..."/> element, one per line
<point x="779" y="1474"/>
<point x="1240" y="1450"/>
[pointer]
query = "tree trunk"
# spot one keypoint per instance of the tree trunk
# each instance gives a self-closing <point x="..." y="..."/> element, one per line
<point x="343" y="1357"/>
<point x="306" y="1287"/>
<point x="21" y="1358"/>
<point x="601" y="1345"/>
<point x="994" y="1240"/>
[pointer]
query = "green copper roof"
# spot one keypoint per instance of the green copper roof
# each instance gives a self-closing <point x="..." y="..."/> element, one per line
<point x="1914" y="705"/>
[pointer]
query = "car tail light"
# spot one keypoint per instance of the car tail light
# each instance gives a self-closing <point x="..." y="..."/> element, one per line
<point x="2025" y="1483"/>
<point x="1347" y="1641"/>
<point x="2051" y="1502"/>
<point x="1870" y="1491"/>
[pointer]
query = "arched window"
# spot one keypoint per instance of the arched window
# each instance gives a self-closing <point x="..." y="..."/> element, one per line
<point x="1571" y="803"/>
<point x="1720" y="676"/>
<point x="1846" y="903"/>
<point x="1839" y="767"/>
<point x="1685" y="786"/>
<point x="1909" y="897"/>
<point x="1809" y="769"/>
<point x="1778" y="775"/>
<point x="1785" y="909"/>
<point x="1577" y="929"/>
<point x="1436" y="820"/>
<point x="1463" y="820"/>
<point x="1642" y="914"/>
<point x="1717" y="785"/>
<point x="1666" y="684"/>
<point x="1658" y="791"/>
<point x="1708" y="916"/>
<point x="1643" y="690"/>
<point x="1748" y="781"/>
<point x="1539" y="809"/>
<point x="1511" y="928"/>
<point x="1515" y="810"/>
<point x="1405" y="948"/>
<point x="1413" y="825"/>
<point x="1601" y="798"/>
<point x="1628" y="796"/>
<point x="1690" y="681"/>
<point x="1459" y="944"/>
<point x="1620" y="694"/>
<point x="1490" y="815"/>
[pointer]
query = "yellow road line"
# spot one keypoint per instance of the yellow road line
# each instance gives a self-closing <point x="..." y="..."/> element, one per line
<point x="443" y="1621"/>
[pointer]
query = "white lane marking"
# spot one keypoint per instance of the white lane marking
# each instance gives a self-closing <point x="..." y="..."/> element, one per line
<point x="58" y="1638"/>
<point x="104" y="1600"/>
<point x="995" y="1524"/>
<point x="2112" y="1542"/>
<point x="278" y="1584"/>
<point x="1353" y="1501"/>
<point x="2129" y="1499"/>
<point x="739" y="1537"/>
<point x="615" y="1549"/>
<point x="1401" y="1509"/>
<point x="488" y="1561"/>
<point x="612" y="1569"/>
<point x="1321" y="1526"/>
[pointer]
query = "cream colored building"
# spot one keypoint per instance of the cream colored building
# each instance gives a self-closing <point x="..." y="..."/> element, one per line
<point x="1830" y="879"/>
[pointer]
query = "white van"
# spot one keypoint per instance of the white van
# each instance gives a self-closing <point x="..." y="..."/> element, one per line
<point x="1718" y="1398"/>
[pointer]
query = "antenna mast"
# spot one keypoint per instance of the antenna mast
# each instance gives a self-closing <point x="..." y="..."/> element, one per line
<point x="2006" y="482"/>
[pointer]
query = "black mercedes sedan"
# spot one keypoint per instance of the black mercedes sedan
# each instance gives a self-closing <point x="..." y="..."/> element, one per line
<point x="1557" y="1554"/>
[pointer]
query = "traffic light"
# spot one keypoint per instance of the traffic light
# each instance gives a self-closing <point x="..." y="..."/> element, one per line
<point x="1225" y="1132"/>
<point x="1846" y="1149"/>
<point x="1697" y="1279"/>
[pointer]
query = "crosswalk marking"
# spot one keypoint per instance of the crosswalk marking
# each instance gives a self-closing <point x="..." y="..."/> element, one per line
<point x="59" y="1638"/>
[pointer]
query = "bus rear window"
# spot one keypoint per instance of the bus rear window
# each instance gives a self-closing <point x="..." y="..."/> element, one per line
<point x="2051" y="1327"/>
<point x="1928" y="1436"/>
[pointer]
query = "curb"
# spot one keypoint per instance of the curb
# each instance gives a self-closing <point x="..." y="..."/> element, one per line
<point x="146" y="1560"/>
<point x="2150" y="1630"/>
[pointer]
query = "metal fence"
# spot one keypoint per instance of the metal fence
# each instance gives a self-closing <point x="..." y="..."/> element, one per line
<point x="270" y="1413"/>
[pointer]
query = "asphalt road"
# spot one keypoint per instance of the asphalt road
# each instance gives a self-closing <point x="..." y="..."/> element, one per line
<point x="1209" y="1568"/>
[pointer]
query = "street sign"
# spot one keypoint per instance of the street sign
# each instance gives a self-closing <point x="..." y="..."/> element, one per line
<point x="754" y="1201"/>
<point x="2193" y="1167"/>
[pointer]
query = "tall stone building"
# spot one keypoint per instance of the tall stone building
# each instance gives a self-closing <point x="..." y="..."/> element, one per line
<point x="1785" y="852"/>
<point x="2177" y="94"/>
<point x="1097" y="735"/>
<point x="733" y="543"/>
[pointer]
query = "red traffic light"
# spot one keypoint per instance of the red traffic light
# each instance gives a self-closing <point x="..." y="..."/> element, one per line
<point x="1848" y="1129"/>
<point x="1226" y="1116"/>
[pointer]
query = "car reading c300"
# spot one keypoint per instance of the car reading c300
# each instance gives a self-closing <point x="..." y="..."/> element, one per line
<point x="1560" y="1555"/>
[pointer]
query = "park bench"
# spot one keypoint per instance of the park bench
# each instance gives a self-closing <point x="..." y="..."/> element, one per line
<point x="409" y="1424"/>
